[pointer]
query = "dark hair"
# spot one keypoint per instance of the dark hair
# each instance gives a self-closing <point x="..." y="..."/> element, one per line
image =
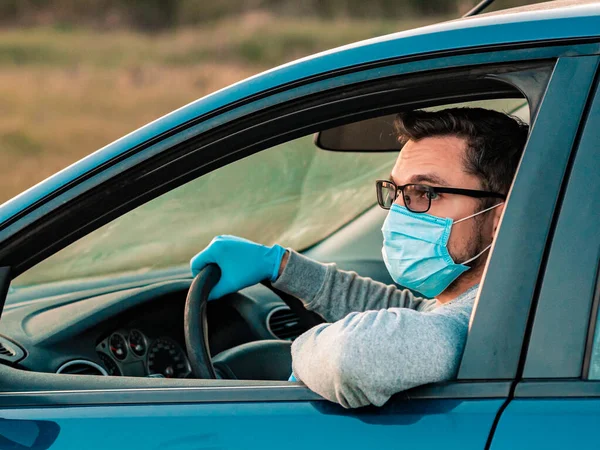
<point x="495" y="141"/>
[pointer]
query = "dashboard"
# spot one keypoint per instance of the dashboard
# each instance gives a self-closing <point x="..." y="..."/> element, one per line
<point x="68" y="328"/>
<point x="135" y="332"/>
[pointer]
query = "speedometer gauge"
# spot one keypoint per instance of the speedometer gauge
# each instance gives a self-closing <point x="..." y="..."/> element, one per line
<point x="118" y="346"/>
<point x="167" y="358"/>
<point x="137" y="342"/>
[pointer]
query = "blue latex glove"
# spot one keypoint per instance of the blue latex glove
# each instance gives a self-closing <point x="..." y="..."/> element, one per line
<point x="243" y="263"/>
<point x="292" y="378"/>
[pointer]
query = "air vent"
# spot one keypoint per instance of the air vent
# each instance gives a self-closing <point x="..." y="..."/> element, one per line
<point x="5" y="351"/>
<point x="284" y="324"/>
<point x="81" y="367"/>
<point x="10" y="351"/>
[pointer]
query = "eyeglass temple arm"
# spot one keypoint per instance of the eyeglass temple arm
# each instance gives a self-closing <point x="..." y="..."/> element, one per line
<point x="469" y="192"/>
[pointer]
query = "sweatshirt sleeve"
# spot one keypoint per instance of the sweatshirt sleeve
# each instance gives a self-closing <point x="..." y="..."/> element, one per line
<point x="367" y="357"/>
<point x="334" y="293"/>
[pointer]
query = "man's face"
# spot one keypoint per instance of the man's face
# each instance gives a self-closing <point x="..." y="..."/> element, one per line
<point x="439" y="161"/>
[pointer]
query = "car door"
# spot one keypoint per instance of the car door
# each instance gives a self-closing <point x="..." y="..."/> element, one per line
<point x="41" y="410"/>
<point x="557" y="403"/>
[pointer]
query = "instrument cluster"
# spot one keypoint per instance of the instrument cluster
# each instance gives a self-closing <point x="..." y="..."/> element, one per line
<point x="132" y="353"/>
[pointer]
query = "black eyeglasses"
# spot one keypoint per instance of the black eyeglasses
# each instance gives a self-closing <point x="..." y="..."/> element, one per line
<point x="417" y="197"/>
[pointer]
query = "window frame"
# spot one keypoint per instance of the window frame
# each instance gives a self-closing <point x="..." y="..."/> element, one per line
<point x="132" y="173"/>
<point x="560" y="345"/>
<point x="512" y="274"/>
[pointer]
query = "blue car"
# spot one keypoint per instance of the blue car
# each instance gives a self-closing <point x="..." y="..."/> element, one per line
<point x="105" y="342"/>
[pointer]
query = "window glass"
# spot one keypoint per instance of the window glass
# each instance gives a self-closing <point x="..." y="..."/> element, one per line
<point x="293" y="194"/>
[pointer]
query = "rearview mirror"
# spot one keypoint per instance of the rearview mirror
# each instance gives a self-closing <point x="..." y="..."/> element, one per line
<point x="371" y="135"/>
<point x="378" y="134"/>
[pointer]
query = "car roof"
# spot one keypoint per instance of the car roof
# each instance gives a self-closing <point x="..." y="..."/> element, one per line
<point x="562" y="5"/>
<point x="557" y="20"/>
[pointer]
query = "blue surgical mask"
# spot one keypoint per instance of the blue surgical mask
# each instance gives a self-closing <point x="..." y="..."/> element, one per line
<point x="415" y="250"/>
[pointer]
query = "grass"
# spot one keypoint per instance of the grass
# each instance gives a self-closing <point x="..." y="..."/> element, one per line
<point x="251" y="39"/>
<point x="66" y="93"/>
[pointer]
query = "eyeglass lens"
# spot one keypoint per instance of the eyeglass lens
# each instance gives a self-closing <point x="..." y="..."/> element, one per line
<point x="417" y="197"/>
<point x="387" y="194"/>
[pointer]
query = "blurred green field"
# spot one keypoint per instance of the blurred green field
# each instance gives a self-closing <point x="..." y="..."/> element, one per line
<point x="64" y="93"/>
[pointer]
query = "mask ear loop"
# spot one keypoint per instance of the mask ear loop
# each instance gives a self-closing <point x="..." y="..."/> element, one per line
<point x="480" y="212"/>
<point x="473" y="215"/>
<point x="476" y="256"/>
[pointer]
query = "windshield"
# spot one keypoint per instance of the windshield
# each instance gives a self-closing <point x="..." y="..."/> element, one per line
<point x="292" y="194"/>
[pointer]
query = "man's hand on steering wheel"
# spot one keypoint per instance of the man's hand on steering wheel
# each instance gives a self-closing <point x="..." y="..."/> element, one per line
<point x="243" y="263"/>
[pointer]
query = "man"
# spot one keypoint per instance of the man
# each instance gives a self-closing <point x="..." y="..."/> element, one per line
<point x="445" y="194"/>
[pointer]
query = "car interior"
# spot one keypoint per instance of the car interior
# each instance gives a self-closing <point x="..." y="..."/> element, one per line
<point x="114" y="302"/>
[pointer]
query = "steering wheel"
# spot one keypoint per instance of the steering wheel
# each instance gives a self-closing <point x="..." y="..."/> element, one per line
<point x="194" y="322"/>
<point x="196" y="333"/>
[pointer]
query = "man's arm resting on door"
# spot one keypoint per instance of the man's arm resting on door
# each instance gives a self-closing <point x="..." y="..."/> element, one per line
<point x="367" y="357"/>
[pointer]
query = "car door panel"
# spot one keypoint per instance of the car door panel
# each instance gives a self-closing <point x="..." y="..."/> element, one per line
<point x="17" y="434"/>
<point x="549" y="424"/>
<point x="424" y="424"/>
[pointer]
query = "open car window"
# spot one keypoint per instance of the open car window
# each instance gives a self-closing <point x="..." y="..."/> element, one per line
<point x="294" y="194"/>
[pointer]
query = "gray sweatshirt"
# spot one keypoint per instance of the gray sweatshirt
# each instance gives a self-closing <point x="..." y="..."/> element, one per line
<point x="381" y="339"/>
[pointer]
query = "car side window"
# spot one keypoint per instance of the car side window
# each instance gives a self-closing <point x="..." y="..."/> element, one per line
<point x="295" y="194"/>
<point x="287" y="194"/>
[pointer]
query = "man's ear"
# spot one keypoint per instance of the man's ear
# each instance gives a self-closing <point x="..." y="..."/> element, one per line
<point x="496" y="219"/>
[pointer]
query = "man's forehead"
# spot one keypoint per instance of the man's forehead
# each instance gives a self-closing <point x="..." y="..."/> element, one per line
<point x="434" y="160"/>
